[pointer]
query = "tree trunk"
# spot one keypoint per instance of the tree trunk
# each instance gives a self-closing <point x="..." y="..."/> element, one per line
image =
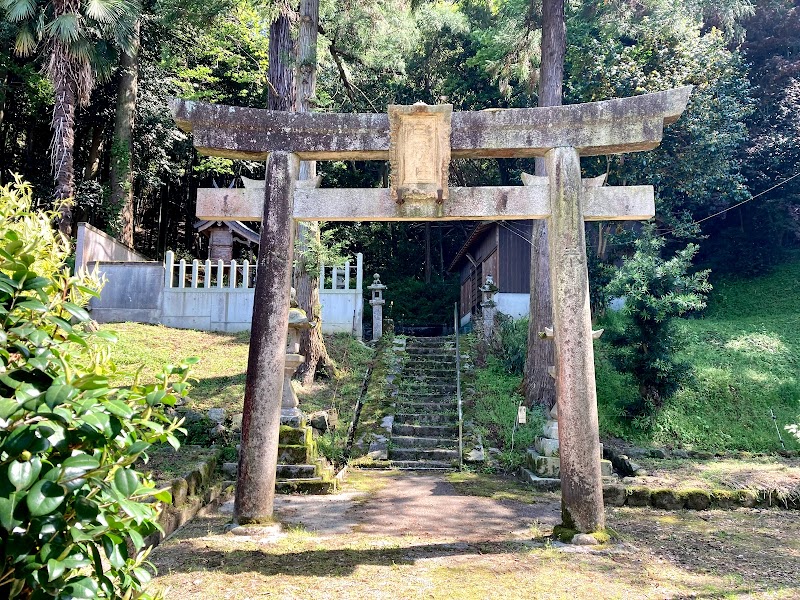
<point x="306" y="272"/>
<point x="63" y="126"/>
<point x="280" y="73"/>
<point x="122" y="146"/>
<point x="539" y="386"/>
<point x="3" y="90"/>
<point x="92" y="168"/>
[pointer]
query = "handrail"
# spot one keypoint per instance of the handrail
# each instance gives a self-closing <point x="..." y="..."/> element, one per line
<point x="458" y="393"/>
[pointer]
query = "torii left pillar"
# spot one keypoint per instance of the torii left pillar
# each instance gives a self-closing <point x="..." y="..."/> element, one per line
<point x="258" y="457"/>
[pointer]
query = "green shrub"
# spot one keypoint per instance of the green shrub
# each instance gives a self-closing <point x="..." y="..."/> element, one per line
<point x="511" y="345"/>
<point x="72" y="516"/>
<point x="656" y="291"/>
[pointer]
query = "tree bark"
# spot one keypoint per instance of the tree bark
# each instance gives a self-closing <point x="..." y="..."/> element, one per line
<point x="63" y="126"/>
<point x="92" y="168"/>
<point x="280" y="73"/>
<point x="306" y="278"/>
<point x="539" y="386"/>
<point x="122" y="146"/>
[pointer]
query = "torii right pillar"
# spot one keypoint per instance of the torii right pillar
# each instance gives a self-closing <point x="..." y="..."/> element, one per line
<point x="581" y="481"/>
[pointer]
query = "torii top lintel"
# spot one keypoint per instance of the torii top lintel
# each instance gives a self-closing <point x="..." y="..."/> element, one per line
<point x="595" y="128"/>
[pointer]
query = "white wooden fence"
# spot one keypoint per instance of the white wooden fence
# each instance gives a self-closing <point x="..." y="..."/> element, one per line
<point x="218" y="296"/>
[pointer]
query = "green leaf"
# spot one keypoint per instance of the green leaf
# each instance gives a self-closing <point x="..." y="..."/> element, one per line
<point x="82" y="587"/>
<point x="119" y="408"/>
<point x="136" y="539"/>
<point x="34" y="305"/>
<point x="8" y="406"/>
<point x="98" y="420"/>
<point x="44" y="497"/>
<point x="23" y="474"/>
<point x="138" y="447"/>
<point x="163" y="496"/>
<point x="76" y="311"/>
<point x="59" y="394"/>
<point x="77" y="466"/>
<point x="7" y="508"/>
<point x="55" y="569"/>
<point x="126" y="481"/>
<point x="116" y="550"/>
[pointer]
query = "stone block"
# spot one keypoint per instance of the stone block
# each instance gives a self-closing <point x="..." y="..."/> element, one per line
<point x="319" y="421"/>
<point x="550" y="429"/>
<point x="294" y="454"/>
<point x="546" y="446"/>
<point x="293" y="436"/>
<point x="179" y="489"/>
<point x="606" y="470"/>
<point x="544" y="466"/>
<point x="216" y="414"/>
<point x="292" y="420"/>
<point x="614" y="495"/>
<point x="697" y="499"/>
<point x="667" y="499"/>
<point x="230" y="469"/>
<point x="638" y="496"/>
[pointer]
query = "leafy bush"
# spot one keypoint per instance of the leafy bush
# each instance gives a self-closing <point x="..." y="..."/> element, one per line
<point x="655" y="291"/>
<point x="511" y="344"/>
<point x="73" y="511"/>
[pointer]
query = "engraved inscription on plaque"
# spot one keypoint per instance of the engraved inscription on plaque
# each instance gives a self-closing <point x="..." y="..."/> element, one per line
<point x="419" y="165"/>
<point x="419" y="152"/>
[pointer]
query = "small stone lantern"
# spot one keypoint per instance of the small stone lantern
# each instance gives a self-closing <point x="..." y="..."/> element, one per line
<point x="298" y="321"/>
<point x="377" y="303"/>
<point x="488" y="306"/>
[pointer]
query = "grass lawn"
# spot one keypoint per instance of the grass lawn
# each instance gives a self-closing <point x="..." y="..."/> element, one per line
<point x="745" y="354"/>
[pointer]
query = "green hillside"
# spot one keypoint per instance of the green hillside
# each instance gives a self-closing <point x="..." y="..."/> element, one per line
<point x="745" y="352"/>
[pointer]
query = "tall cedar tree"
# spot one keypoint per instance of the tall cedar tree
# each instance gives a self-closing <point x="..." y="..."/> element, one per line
<point x="539" y="386"/>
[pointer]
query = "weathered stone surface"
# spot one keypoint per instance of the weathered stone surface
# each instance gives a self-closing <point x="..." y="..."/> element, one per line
<point x="614" y="495"/>
<point x="419" y="154"/>
<point x="581" y="482"/>
<point x="546" y="446"/>
<point x="697" y="499"/>
<point x="667" y="499"/>
<point x="550" y="430"/>
<point x="638" y="496"/>
<point x="264" y="384"/>
<point x="216" y="414"/>
<point x="230" y="468"/>
<point x="595" y="128"/>
<point x="319" y="420"/>
<point x="470" y="203"/>
<point x="584" y="539"/>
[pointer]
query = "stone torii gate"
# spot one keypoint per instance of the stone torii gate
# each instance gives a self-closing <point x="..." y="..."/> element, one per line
<point x="419" y="141"/>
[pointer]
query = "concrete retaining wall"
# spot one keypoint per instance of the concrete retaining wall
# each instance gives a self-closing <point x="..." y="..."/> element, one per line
<point x="133" y="292"/>
<point x="94" y="245"/>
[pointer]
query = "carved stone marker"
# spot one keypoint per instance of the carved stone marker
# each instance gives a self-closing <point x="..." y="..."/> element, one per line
<point x="419" y="153"/>
<point x="559" y="134"/>
<point x="377" y="303"/>
<point x="488" y="306"/>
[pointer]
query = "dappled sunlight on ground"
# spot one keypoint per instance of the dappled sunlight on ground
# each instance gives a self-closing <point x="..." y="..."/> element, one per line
<point x="418" y="537"/>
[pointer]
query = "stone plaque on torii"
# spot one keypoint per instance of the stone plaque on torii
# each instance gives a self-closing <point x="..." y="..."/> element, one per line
<point x="424" y="139"/>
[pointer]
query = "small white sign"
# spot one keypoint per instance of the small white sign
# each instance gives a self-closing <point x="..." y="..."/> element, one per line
<point x="522" y="415"/>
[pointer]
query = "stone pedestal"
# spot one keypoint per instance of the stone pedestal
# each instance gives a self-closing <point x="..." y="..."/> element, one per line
<point x="488" y="307"/>
<point x="377" y="303"/>
<point x="544" y="458"/>
<point x="290" y="413"/>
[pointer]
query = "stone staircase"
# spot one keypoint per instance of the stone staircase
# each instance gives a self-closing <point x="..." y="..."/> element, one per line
<point x="300" y="467"/>
<point x="425" y="427"/>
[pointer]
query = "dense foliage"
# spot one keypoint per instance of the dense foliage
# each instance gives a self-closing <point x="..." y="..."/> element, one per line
<point x="74" y="513"/>
<point x="656" y="290"/>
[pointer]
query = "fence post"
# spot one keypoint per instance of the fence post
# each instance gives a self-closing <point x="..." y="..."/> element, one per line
<point x="232" y="277"/>
<point x="246" y="274"/>
<point x="347" y="275"/>
<point x="359" y="271"/>
<point x="207" y="274"/>
<point x="170" y="258"/>
<point x="195" y="269"/>
<point x="182" y="274"/>
<point x="220" y="272"/>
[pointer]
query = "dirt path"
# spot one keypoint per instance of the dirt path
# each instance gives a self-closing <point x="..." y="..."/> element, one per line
<point x="390" y="536"/>
<point x="415" y="505"/>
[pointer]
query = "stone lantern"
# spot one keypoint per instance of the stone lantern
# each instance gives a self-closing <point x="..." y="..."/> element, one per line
<point x="377" y="303"/>
<point x="488" y="306"/>
<point x="298" y="321"/>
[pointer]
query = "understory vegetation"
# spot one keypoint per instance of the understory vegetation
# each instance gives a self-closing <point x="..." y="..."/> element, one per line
<point x="743" y="355"/>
